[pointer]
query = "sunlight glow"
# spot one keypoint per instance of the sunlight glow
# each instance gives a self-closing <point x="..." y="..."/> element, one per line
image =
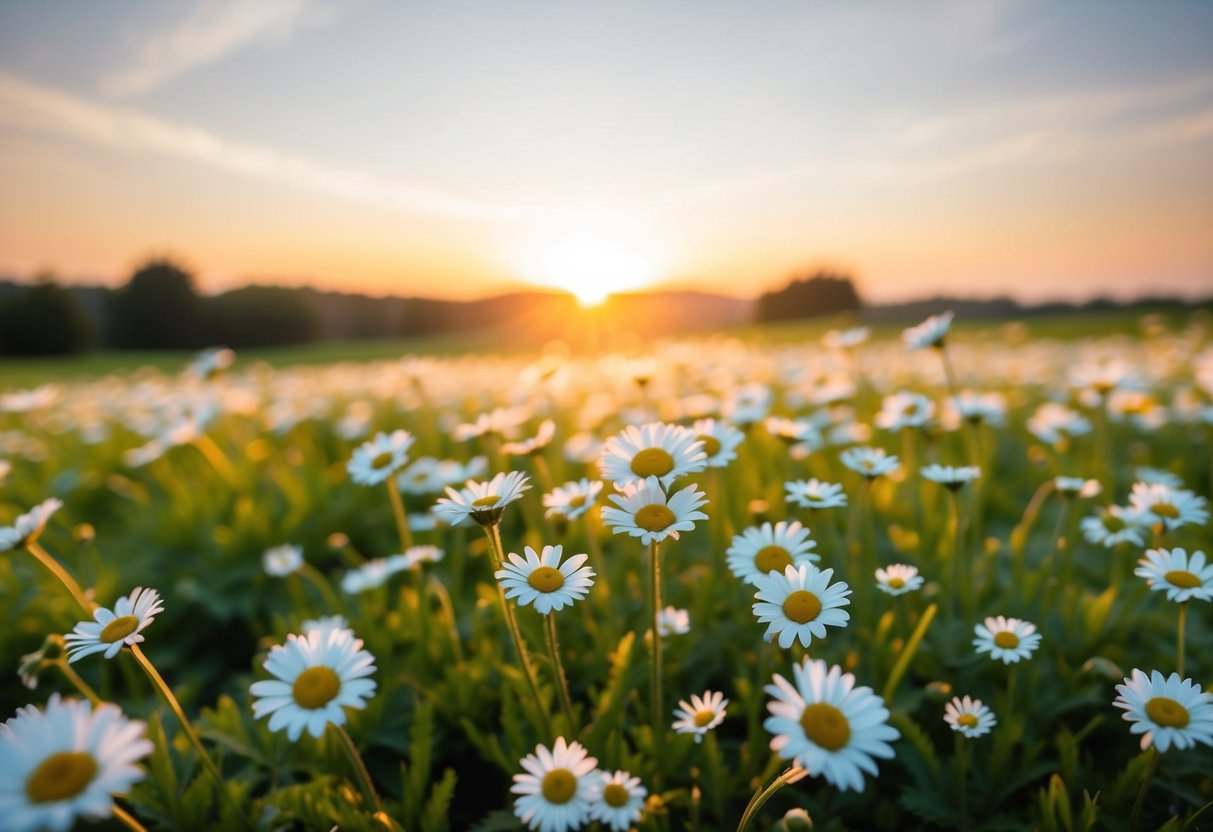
<point x="591" y="267"/>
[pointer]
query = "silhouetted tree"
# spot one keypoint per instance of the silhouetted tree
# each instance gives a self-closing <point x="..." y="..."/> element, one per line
<point x="259" y="316"/>
<point x="157" y="309"/>
<point x="43" y="319"/>
<point x="823" y="293"/>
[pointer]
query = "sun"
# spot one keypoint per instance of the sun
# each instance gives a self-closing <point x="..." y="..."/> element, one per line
<point x="591" y="267"/>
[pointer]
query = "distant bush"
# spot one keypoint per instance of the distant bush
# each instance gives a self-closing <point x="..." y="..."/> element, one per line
<point x="157" y="309"/>
<point x="820" y="294"/>
<point x="260" y="316"/>
<point x="43" y="319"/>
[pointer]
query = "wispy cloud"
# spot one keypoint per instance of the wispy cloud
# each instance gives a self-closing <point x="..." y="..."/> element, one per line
<point x="38" y="108"/>
<point x="214" y="29"/>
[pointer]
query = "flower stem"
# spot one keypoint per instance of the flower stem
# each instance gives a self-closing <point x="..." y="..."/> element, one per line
<point x="955" y="588"/>
<point x="217" y="458"/>
<point x="562" y="682"/>
<point x="962" y="777"/>
<point x="762" y="796"/>
<point x="1183" y="616"/>
<point x="402" y="520"/>
<point x="364" y="776"/>
<point x="313" y="576"/>
<point x="654" y="614"/>
<point x="190" y="733"/>
<point x="56" y="569"/>
<point x="80" y="685"/>
<point x="511" y="623"/>
<point x="128" y="820"/>
<point x="1135" y="816"/>
<point x="953" y="387"/>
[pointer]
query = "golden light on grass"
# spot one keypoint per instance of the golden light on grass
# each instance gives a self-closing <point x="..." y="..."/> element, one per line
<point x="591" y="267"/>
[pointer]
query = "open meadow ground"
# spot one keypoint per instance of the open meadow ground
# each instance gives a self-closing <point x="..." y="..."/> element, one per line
<point x="835" y="544"/>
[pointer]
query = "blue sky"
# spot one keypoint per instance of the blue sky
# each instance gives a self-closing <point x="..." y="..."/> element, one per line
<point x="1038" y="148"/>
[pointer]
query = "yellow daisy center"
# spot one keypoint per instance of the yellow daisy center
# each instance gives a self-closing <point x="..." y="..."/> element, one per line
<point x="60" y="776"/>
<point x="382" y="459"/>
<point x="825" y="726"/>
<point x="485" y="502"/>
<point x="1165" y="510"/>
<point x="316" y="687"/>
<point x="711" y="445"/>
<point x="704" y="717"/>
<point x="652" y="462"/>
<point x="909" y="410"/>
<point x="895" y="583"/>
<point x="1006" y="640"/>
<point x="546" y="579"/>
<point x="577" y="502"/>
<point x="1113" y="523"/>
<point x="967" y="720"/>
<point x="1182" y="579"/>
<point x="1167" y="713"/>
<point x="654" y="517"/>
<point x="559" y="786"/>
<point x="802" y="606"/>
<point x="772" y="559"/>
<point x="615" y="796"/>
<point x="119" y="628"/>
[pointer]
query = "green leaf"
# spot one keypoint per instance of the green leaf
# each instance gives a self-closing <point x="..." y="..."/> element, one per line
<point x="435" y="818"/>
<point x="610" y="703"/>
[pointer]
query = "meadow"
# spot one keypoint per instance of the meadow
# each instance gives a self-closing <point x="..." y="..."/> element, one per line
<point x="1023" y="472"/>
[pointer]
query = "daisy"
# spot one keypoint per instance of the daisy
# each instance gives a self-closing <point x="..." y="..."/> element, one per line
<point x="375" y="461"/>
<point x="930" y="333"/>
<point x="1077" y="487"/>
<point x="326" y="625"/>
<point x="556" y="790"/>
<point x="283" y="560"/>
<point x="1008" y="639"/>
<point x="720" y="441"/>
<point x="762" y="549"/>
<point x="503" y="422"/>
<point x="544" y="581"/>
<point x="969" y="717"/>
<point x="1158" y="476"/>
<point x="421" y="477"/>
<point x="534" y="445"/>
<point x="484" y="502"/>
<point x="1175" y="572"/>
<point x="111" y="630"/>
<point x="951" y="477"/>
<point x="843" y="339"/>
<point x="211" y="363"/>
<point x="423" y="553"/>
<point x="1055" y="423"/>
<point x="617" y="800"/>
<point x="815" y="494"/>
<point x="871" y="462"/>
<point x="801" y="436"/>
<point x="1166" y="712"/>
<point x="66" y="762"/>
<point x="644" y="511"/>
<point x="904" y="410"/>
<point x="976" y="409"/>
<point x="701" y="715"/>
<point x="653" y="450"/>
<point x="572" y="499"/>
<point x="1172" y="507"/>
<point x="827" y="725"/>
<point x="672" y="621"/>
<point x="800" y="603"/>
<point x="1113" y="525"/>
<point x="28" y="527"/>
<point x="747" y="405"/>
<point x="373" y="573"/>
<point x="317" y="675"/>
<point x="898" y="579"/>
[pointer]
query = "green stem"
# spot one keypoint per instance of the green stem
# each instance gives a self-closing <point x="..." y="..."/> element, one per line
<point x="448" y="609"/>
<point x="364" y="776"/>
<point x="313" y="576"/>
<point x="190" y="733"/>
<point x="1183" y="616"/>
<point x="956" y="584"/>
<point x="217" y="458"/>
<point x="80" y="685"/>
<point x="762" y="796"/>
<point x="402" y="520"/>
<point x="907" y="653"/>
<point x="562" y="682"/>
<point x="962" y="752"/>
<point x="1135" y="816"/>
<point x="62" y="574"/>
<point x="655" y="686"/>
<point x="1011" y="678"/>
<point x="128" y="820"/>
<point x="953" y="386"/>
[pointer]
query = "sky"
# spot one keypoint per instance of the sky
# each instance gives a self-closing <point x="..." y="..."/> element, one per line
<point x="971" y="147"/>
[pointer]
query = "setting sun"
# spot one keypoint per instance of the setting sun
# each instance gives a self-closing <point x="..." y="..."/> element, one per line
<point x="591" y="267"/>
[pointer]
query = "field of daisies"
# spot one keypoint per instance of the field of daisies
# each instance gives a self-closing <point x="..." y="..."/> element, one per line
<point x="947" y="580"/>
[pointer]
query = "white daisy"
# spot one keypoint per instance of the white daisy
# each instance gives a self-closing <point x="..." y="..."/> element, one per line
<point x="720" y="441"/>
<point x="827" y="725"/>
<point x="572" y="499"/>
<point x="898" y="579"/>
<point x="815" y="494"/>
<point x="672" y="621"/>
<point x="766" y="548"/>
<point x="843" y="339"/>
<point x="646" y="512"/>
<point x="951" y="477"/>
<point x="969" y="717"/>
<point x="422" y="476"/>
<point x="544" y="581"/>
<point x="534" y="445"/>
<point x="1055" y="423"/>
<point x="556" y="790"/>
<point x="1113" y="525"/>
<point x="326" y="625"/>
<point x="904" y="410"/>
<point x="1166" y="712"/>
<point x="27" y="527"/>
<point x="1008" y="639"/>
<point x="375" y="461"/>
<point x="930" y="333"/>
<point x="111" y="630"/>
<point x="503" y="422"/>
<point x="283" y="560"/>
<point x="1077" y="487"/>
<point x="654" y="450"/>
<point x="66" y="762"/>
<point x="1175" y="572"/>
<point x="484" y="502"/>
<point x="976" y="408"/>
<point x="617" y="800"/>
<point x="414" y="556"/>
<point x="800" y="435"/>
<point x="1172" y="507"/>
<point x="701" y="714"/>
<point x="800" y="603"/>
<point x="318" y="675"/>
<point x="211" y="363"/>
<point x="871" y="462"/>
<point x="372" y="574"/>
<point x="1158" y="476"/>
